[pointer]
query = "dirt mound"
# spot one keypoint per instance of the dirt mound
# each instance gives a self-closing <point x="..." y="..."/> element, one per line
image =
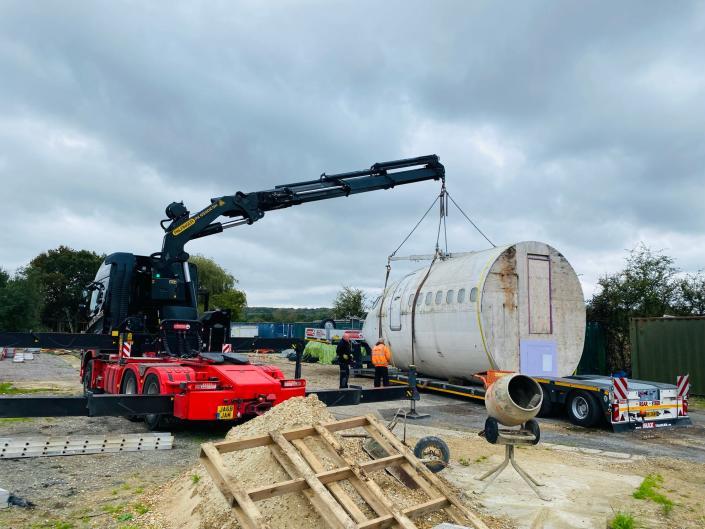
<point x="193" y="501"/>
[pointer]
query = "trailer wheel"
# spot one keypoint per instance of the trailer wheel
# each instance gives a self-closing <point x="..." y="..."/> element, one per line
<point x="583" y="409"/>
<point x="87" y="376"/>
<point x="546" y="406"/>
<point x="434" y="453"/>
<point x="491" y="430"/>
<point x="533" y="427"/>
<point x="151" y="387"/>
<point x="129" y="387"/>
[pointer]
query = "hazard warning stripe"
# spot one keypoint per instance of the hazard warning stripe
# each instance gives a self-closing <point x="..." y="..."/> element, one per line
<point x="227" y="348"/>
<point x="126" y="349"/>
<point x="621" y="388"/>
<point x="683" y="384"/>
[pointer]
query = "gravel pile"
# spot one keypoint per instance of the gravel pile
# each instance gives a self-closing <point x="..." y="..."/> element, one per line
<point x="192" y="501"/>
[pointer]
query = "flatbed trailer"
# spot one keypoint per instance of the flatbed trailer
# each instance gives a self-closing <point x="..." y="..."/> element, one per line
<point x="587" y="400"/>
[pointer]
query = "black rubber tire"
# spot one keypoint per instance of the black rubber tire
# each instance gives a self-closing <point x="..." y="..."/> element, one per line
<point x="546" y="406"/>
<point x="534" y="428"/>
<point x="326" y="321"/>
<point x="87" y="376"/>
<point x="151" y="387"/>
<point x="440" y="450"/>
<point x="491" y="430"/>
<point x="582" y="408"/>
<point x="129" y="387"/>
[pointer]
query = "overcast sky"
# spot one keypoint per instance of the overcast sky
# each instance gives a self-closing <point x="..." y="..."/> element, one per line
<point x="575" y="123"/>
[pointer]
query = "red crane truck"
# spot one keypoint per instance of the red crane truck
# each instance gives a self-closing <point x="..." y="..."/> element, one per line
<point x="148" y="353"/>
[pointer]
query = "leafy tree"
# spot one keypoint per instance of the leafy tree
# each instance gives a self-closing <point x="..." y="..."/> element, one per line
<point x="20" y="302"/>
<point x="648" y="286"/>
<point x="220" y="285"/>
<point x="62" y="275"/>
<point x="350" y="302"/>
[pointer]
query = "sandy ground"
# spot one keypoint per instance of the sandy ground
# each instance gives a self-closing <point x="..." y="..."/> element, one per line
<point x="589" y="474"/>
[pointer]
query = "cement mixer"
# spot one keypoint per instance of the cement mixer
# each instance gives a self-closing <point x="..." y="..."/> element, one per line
<point x="512" y="399"/>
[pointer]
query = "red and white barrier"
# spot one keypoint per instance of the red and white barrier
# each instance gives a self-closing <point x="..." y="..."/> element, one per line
<point x="227" y="348"/>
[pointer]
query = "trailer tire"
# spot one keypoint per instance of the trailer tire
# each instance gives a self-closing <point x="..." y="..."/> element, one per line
<point x="87" y="376"/>
<point x="437" y="449"/>
<point x="129" y="387"/>
<point x="546" y="405"/>
<point x="582" y="408"/>
<point x="151" y="387"/>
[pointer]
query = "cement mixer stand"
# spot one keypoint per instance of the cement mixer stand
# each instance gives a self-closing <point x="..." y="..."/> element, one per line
<point x="528" y="434"/>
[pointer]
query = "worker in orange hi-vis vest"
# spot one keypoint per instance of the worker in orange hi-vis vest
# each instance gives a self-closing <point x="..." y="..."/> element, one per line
<point x="381" y="356"/>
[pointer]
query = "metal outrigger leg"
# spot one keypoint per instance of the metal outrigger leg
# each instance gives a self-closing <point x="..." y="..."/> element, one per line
<point x="529" y="434"/>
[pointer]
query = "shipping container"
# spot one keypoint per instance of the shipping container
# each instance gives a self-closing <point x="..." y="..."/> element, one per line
<point x="664" y="348"/>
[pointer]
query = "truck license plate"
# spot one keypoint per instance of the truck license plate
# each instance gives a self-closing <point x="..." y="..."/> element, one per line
<point x="651" y="414"/>
<point x="225" y="412"/>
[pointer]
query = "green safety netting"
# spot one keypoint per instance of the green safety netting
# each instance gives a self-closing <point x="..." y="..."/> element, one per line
<point x="322" y="353"/>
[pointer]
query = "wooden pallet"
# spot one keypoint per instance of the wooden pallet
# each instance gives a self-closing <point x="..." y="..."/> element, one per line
<point x="322" y="487"/>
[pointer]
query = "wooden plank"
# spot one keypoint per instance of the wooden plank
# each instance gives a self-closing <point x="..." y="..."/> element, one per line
<point x="406" y="467"/>
<point x="298" y="433"/>
<point x="401" y="519"/>
<point x="242" y="444"/>
<point x="331" y="476"/>
<point x="383" y="462"/>
<point x="345" y="424"/>
<point x="245" y="510"/>
<point x="425" y="472"/>
<point x="283" y="487"/>
<point x="371" y="500"/>
<point x="433" y="505"/>
<point x="332" y="510"/>
<point x="380" y="522"/>
<point x="336" y="489"/>
<point x="289" y="468"/>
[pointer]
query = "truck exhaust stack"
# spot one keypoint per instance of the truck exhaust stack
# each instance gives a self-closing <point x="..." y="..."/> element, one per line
<point x="513" y="399"/>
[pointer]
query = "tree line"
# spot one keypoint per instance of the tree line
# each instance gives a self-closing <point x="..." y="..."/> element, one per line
<point x="649" y="285"/>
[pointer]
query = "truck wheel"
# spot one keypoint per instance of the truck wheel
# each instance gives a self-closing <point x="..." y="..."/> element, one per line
<point x="151" y="387"/>
<point x="546" y="406"/>
<point x="129" y="387"/>
<point x="87" y="376"/>
<point x="533" y="427"/>
<point x="583" y="409"/>
<point x="434" y="453"/>
<point x="491" y="430"/>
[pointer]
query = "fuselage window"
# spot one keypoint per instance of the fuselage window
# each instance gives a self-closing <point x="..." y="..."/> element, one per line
<point x="449" y="297"/>
<point x="473" y="295"/>
<point x="461" y="295"/>
<point x="439" y="297"/>
<point x="419" y="300"/>
<point x="429" y="296"/>
<point x="411" y="300"/>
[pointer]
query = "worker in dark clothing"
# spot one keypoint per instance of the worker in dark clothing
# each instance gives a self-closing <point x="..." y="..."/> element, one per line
<point x="344" y="353"/>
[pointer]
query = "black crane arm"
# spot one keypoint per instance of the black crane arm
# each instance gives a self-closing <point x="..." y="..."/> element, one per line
<point x="246" y="208"/>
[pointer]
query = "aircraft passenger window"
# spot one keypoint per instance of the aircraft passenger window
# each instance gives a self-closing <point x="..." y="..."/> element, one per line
<point x="449" y="297"/>
<point x="411" y="299"/>
<point x="461" y="295"/>
<point x="439" y="297"/>
<point x="419" y="300"/>
<point x="429" y="295"/>
<point x="473" y="295"/>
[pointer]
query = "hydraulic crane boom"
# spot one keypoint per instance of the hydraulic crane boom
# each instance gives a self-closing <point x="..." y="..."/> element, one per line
<point x="246" y="208"/>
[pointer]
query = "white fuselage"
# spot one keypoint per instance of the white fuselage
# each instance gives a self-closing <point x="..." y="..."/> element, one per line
<point x="518" y="307"/>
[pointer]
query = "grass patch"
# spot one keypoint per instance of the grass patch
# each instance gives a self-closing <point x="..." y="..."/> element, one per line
<point x="195" y="478"/>
<point x="696" y="403"/>
<point x="648" y="490"/>
<point x="55" y="524"/>
<point x="464" y="462"/>
<point x="622" y="520"/>
<point x="481" y="459"/>
<point x="15" y="419"/>
<point x="124" y="517"/>
<point x="112" y="509"/>
<point x="139" y="490"/>
<point x="6" y="388"/>
<point x="141" y="508"/>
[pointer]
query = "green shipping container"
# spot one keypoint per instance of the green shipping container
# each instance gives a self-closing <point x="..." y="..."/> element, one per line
<point x="594" y="359"/>
<point x="663" y="348"/>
